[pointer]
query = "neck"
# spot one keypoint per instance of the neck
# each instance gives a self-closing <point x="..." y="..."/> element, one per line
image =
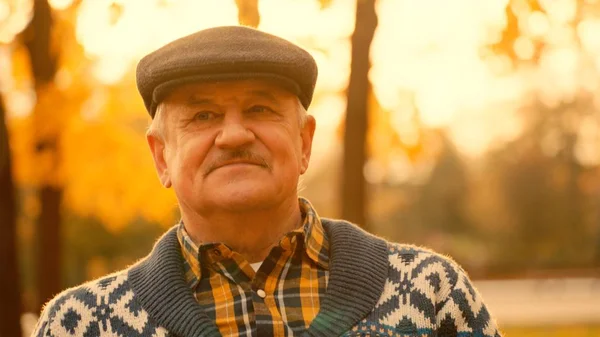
<point x="251" y="233"/>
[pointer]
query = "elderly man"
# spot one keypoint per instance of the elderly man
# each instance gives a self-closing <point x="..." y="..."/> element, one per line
<point x="230" y="134"/>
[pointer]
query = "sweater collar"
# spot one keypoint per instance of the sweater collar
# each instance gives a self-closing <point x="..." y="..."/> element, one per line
<point x="358" y="269"/>
<point x="357" y="272"/>
<point x="159" y="285"/>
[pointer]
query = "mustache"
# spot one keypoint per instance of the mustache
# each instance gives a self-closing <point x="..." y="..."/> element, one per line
<point x="241" y="154"/>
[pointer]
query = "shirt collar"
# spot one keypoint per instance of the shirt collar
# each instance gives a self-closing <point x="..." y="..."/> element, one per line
<point x="316" y="243"/>
<point x="191" y="256"/>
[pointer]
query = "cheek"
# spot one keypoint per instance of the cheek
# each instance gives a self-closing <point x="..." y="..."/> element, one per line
<point x="191" y="154"/>
<point x="287" y="150"/>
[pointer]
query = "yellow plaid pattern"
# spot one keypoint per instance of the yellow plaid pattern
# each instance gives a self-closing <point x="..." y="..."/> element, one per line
<point x="280" y="299"/>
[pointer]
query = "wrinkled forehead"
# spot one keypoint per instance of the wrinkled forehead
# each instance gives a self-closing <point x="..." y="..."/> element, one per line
<point x="214" y="92"/>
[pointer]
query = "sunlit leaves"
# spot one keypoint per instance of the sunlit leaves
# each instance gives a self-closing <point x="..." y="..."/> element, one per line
<point x="115" y="12"/>
<point x="325" y="3"/>
<point x="97" y="122"/>
<point x="248" y="14"/>
<point x="105" y="167"/>
<point x="429" y="69"/>
<point x="87" y="139"/>
<point x="112" y="177"/>
<point x="14" y="17"/>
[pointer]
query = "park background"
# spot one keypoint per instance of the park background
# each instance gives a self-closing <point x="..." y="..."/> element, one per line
<point x="468" y="126"/>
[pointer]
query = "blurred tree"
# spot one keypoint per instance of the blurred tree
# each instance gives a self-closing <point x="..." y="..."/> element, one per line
<point x="87" y="239"/>
<point x="248" y="14"/>
<point x="441" y="201"/>
<point x="542" y="179"/>
<point x="37" y="38"/>
<point x="518" y="22"/>
<point x="512" y="31"/>
<point x="355" y="130"/>
<point x="540" y="172"/>
<point x="10" y="305"/>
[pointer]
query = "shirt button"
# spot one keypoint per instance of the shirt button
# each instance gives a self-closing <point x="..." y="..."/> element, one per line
<point x="261" y="293"/>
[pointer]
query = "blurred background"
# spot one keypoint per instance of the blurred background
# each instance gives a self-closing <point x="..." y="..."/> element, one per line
<point x="468" y="126"/>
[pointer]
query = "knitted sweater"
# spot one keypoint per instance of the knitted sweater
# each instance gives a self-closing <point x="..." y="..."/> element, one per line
<point x="376" y="288"/>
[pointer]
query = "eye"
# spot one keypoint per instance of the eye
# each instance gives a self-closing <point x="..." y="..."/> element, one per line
<point x="260" y="109"/>
<point x="204" y="115"/>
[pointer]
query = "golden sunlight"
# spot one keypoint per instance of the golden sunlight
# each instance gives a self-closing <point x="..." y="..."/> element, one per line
<point x="428" y="57"/>
<point x="14" y="16"/>
<point x="429" y="48"/>
<point x="117" y="34"/>
<point x="60" y="4"/>
<point x="433" y="49"/>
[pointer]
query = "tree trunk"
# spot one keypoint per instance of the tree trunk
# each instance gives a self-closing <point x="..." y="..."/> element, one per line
<point x="43" y="65"/>
<point x="49" y="244"/>
<point x="10" y="305"/>
<point x="353" y="183"/>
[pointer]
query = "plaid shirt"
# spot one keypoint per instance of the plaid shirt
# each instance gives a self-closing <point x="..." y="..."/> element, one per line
<point x="280" y="299"/>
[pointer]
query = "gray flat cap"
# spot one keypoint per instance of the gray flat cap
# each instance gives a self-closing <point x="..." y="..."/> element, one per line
<point x="226" y="53"/>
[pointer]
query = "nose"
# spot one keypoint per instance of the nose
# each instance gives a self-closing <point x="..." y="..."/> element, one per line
<point x="233" y="134"/>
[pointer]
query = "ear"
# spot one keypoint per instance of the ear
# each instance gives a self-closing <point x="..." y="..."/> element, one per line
<point x="157" y="147"/>
<point x="307" y="133"/>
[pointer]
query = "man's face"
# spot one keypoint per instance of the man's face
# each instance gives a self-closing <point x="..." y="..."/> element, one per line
<point x="236" y="145"/>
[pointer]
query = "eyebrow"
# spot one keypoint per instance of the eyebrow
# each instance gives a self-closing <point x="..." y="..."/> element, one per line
<point x="264" y="94"/>
<point x="196" y="100"/>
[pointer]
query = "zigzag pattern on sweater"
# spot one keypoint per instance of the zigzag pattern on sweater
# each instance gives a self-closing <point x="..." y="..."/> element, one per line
<point x="426" y="294"/>
<point x="104" y="307"/>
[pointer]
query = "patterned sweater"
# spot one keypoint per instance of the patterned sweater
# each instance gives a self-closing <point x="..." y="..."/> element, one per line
<point x="376" y="288"/>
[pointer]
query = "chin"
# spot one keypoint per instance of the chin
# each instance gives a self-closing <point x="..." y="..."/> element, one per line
<point x="247" y="204"/>
<point x="244" y="199"/>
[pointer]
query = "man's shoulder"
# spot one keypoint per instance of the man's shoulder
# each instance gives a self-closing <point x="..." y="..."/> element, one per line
<point x="417" y="261"/>
<point x="410" y="253"/>
<point x="427" y="293"/>
<point x="400" y="255"/>
<point x="102" y="286"/>
<point x="73" y="311"/>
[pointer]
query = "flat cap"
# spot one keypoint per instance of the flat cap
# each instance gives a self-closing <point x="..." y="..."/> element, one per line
<point x="226" y="53"/>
